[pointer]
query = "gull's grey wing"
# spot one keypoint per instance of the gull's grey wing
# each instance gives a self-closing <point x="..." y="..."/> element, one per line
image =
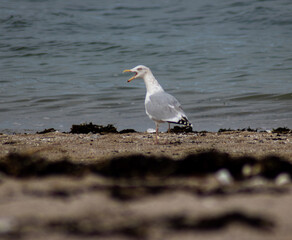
<point x="164" y="107"/>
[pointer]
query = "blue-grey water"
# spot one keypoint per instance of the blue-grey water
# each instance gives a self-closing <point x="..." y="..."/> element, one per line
<point x="228" y="62"/>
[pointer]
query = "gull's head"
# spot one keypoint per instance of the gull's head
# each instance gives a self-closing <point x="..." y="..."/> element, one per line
<point x="140" y="71"/>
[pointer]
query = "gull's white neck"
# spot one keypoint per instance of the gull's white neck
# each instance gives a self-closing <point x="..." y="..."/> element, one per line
<point x="152" y="84"/>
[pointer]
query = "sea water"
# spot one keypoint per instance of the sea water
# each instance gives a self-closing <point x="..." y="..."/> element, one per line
<point x="229" y="63"/>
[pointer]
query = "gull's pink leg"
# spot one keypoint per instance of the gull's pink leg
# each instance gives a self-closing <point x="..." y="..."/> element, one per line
<point x="157" y="129"/>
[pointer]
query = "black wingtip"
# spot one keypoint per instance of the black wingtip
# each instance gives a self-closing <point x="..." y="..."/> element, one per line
<point x="185" y="121"/>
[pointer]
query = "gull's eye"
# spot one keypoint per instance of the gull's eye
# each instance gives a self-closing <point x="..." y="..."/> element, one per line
<point x="140" y="69"/>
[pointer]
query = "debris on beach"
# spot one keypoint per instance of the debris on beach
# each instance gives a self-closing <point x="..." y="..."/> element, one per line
<point x="48" y="130"/>
<point x="283" y="130"/>
<point x="138" y="166"/>
<point x="183" y="129"/>
<point x="93" y="128"/>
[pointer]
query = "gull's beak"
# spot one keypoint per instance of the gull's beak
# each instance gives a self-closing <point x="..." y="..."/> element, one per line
<point x="129" y="70"/>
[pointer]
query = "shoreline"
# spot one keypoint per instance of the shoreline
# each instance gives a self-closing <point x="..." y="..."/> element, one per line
<point x="94" y="147"/>
<point x="175" y="128"/>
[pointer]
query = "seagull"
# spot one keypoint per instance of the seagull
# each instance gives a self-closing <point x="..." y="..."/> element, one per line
<point x="159" y="105"/>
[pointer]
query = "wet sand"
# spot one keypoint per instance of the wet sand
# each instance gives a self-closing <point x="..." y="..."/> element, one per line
<point x="229" y="185"/>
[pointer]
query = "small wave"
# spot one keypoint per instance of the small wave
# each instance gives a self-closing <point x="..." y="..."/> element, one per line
<point x="144" y="8"/>
<point x="15" y="21"/>
<point x="281" y="97"/>
<point x="263" y="97"/>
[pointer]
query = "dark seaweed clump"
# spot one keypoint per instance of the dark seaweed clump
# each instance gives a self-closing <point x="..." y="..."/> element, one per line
<point x="127" y="131"/>
<point x="248" y="129"/>
<point x="86" y="128"/>
<point x="202" y="164"/>
<point x="184" y="129"/>
<point x="23" y="165"/>
<point x="48" y="130"/>
<point x="143" y="167"/>
<point x="220" y="221"/>
<point x="283" y="130"/>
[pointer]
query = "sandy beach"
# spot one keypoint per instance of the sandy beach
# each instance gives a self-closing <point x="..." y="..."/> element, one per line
<point x="207" y="185"/>
<point x="96" y="147"/>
